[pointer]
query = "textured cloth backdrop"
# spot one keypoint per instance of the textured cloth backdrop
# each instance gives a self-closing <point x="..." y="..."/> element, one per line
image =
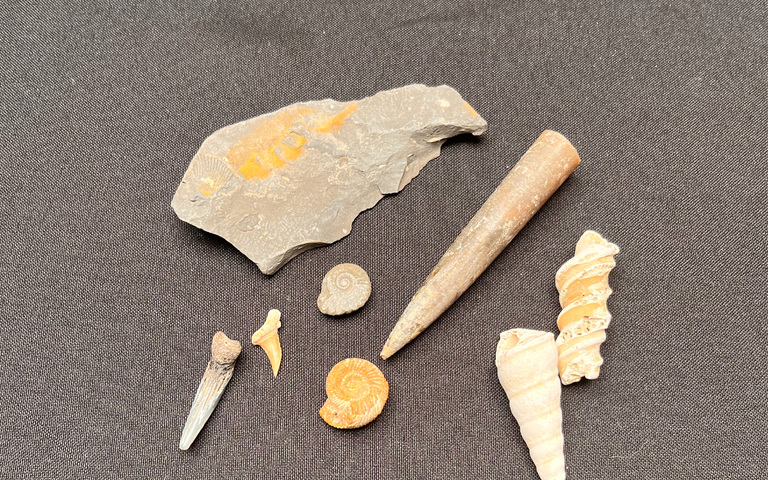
<point x="109" y="302"/>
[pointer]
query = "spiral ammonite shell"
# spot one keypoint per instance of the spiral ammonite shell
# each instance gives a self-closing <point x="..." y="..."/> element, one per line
<point x="357" y="392"/>
<point x="346" y="288"/>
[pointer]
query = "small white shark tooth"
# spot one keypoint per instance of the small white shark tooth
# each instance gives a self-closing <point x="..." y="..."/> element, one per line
<point x="266" y="337"/>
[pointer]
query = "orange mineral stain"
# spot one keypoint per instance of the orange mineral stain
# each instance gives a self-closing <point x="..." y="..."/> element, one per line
<point x="333" y="123"/>
<point x="205" y="189"/>
<point x="253" y="169"/>
<point x="471" y="110"/>
<point x="270" y="145"/>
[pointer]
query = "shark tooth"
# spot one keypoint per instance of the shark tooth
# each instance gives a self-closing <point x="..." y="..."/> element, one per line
<point x="266" y="337"/>
<point x="224" y="353"/>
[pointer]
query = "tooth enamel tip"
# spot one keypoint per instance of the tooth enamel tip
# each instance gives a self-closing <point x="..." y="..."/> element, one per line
<point x="266" y="337"/>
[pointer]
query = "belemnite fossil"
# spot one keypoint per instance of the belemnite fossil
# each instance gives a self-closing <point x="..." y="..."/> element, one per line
<point x="294" y="179"/>
<point x="535" y="177"/>
<point x="346" y="288"/>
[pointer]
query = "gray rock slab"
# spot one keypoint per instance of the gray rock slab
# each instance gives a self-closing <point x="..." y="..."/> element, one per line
<point x="294" y="179"/>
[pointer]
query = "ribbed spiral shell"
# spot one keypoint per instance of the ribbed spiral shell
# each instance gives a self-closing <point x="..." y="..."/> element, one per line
<point x="208" y="172"/>
<point x="357" y="392"/>
<point x="346" y="288"/>
<point x="527" y="368"/>
<point x="583" y="285"/>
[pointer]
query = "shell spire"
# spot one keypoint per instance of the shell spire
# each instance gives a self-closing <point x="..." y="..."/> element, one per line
<point x="266" y="337"/>
<point x="527" y="366"/>
<point x="583" y="285"/>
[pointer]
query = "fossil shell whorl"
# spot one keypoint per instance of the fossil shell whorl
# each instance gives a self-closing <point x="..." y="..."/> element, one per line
<point x="527" y="366"/>
<point x="357" y="392"/>
<point x="346" y="288"/>
<point x="583" y="285"/>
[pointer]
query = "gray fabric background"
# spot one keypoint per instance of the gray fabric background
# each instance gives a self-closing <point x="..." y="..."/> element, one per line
<point x="109" y="302"/>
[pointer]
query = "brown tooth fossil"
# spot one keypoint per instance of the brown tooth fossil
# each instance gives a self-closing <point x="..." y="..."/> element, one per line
<point x="583" y="285"/>
<point x="527" y="368"/>
<point x="357" y="392"/>
<point x="346" y="288"/>
<point x="266" y="337"/>
<point x="537" y="175"/>
<point x="224" y="353"/>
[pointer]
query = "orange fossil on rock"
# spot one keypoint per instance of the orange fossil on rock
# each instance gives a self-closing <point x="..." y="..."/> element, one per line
<point x="357" y="392"/>
<point x="273" y="143"/>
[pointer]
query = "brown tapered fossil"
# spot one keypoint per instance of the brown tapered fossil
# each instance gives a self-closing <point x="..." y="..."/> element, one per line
<point x="537" y="175"/>
<point x="224" y="353"/>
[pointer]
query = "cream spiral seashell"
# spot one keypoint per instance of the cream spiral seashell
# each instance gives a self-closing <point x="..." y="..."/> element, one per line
<point x="527" y="368"/>
<point x="583" y="285"/>
<point x="346" y="288"/>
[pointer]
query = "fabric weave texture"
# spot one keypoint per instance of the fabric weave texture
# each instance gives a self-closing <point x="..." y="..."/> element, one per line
<point x="108" y="302"/>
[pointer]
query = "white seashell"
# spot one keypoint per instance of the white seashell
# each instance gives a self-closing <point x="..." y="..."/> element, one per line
<point x="527" y="366"/>
<point x="346" y="288"/>
<point x="583" y="285"/>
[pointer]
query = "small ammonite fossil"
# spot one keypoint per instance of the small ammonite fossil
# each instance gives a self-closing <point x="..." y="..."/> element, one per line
<point x="357" y="392"/>
<point x="346" y="288"/>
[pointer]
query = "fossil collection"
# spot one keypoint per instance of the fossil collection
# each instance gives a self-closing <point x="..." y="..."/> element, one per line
<point x="282" y="183"/>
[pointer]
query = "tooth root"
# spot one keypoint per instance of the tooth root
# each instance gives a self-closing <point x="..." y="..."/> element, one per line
<point x="266" y="337"/>
<point x="217" y="375"/>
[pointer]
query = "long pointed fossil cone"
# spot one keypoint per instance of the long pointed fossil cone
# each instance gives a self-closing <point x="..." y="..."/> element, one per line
<point x="583" y="285"/>
<point x="527" y="366"/>
<point x="537" y="175"/>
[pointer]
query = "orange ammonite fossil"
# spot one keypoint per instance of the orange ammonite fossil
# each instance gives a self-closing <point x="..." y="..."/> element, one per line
<point x="357" y="392"/>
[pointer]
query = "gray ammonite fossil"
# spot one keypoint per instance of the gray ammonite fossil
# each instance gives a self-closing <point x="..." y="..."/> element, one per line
<point x="346" y="288"/>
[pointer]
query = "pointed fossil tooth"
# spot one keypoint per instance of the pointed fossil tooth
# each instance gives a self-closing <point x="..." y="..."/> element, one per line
<point x="224" y="353"/>
<point x="527" y="368"/>
<point x="537" y="175"/>
<point x="266" y="337"/>
<point x="583" y="285"/>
